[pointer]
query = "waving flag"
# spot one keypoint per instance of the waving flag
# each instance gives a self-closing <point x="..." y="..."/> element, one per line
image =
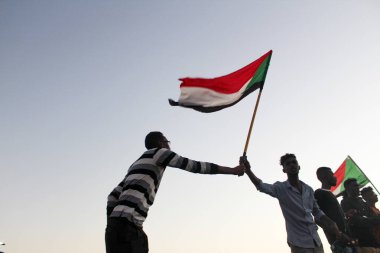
<point x="348" y="169"/>
<point x="214" y="94"/>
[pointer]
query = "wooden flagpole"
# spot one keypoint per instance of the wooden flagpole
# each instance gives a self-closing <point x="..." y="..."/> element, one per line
<point x="256" y="106"/>
<point x="252" y="121"/>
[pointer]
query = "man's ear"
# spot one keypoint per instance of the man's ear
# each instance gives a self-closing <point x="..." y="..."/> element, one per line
<point x="283" y="170"/>
<point x="299" y="167"/>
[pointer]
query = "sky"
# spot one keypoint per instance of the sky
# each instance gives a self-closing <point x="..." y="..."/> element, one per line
<point x="83" y="82"/>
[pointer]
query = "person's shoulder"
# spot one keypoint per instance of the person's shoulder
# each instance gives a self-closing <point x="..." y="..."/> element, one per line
<point x="318" y="191"/>
<point x="164" y="153"/>
<point x="155" y="153"/>
<point x="306" y="185"/>
<point x="281" y="184"/>
<point x="322" y="193"/>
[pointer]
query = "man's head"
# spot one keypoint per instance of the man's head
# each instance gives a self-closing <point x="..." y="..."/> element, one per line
<point x="289" y="164"/>
<point x="352" y="187"/>
<point x="368" y="195"/>
<point x="326" y="176"/>
<point x="156" y="140"/>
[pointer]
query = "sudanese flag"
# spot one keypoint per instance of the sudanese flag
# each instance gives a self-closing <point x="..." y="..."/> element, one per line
<point x="348" y="169"/>
<point x="214" y="94"/>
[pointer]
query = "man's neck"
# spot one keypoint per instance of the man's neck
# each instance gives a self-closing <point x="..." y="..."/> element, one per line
<point x="326" y="186"/>
<point x="294" y="181"/>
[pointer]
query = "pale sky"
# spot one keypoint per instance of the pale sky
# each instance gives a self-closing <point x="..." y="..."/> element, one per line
<point x="83" y="82"/>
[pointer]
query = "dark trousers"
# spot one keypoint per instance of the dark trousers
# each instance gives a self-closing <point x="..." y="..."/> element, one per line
<point x="122" y="236"/>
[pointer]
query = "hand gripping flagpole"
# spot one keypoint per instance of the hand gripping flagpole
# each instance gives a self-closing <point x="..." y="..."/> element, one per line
<point x="252" y="121"/>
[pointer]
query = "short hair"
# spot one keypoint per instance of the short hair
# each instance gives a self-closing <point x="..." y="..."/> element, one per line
<point x="152" y="139"/>
<point x="348" y="181"/>
<point x="366" y="190"/>
<point x="321" y="171"/>
<point x="286" y="157"/>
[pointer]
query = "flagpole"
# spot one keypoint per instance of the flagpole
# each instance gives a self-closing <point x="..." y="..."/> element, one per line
<point x="252" y="121"/>
<point x="364" y="174"/>
<point x="257" y="105"/>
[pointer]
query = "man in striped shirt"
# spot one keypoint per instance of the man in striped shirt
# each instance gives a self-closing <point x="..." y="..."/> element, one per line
<point x="129" y="202"/>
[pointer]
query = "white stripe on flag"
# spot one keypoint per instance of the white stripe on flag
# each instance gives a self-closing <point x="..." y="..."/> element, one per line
<point x="195" y="96"/>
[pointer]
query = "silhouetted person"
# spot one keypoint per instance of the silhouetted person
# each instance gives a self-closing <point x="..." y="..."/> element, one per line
<point x="298" y="207"/>
<point x="361" y="223"/>
<point x="371" y="199"/>
<point x="328" y="202"/>
<point x="330" y="206"/>
<point x="129" y="202"/>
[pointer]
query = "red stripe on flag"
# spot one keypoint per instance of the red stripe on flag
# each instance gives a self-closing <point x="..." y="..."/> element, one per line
<point x="227" y="84"/>
<point x="339" y="174"/>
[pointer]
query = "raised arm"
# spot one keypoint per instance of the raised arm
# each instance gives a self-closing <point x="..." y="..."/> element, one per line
<point x="255" y="180"/>
<point x="270" y="189"/>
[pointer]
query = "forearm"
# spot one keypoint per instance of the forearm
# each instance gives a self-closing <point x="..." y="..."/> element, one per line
<point x="327" y="224"/>
<point x="171" y="159"/>
<point x="269" y="189"/>
<point x="255" y="180"/>
<point x="226" y="170"/>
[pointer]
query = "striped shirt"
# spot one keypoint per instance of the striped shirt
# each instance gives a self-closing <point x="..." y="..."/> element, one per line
<point x="134" y="195"/>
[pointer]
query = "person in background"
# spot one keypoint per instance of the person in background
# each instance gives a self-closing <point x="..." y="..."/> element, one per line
<point x="298" y="206"/>
<point x="360" y="221"/>
<point x="371" y="199"/>
<point x="330" y="206"/>
<point x="128" y="204"/>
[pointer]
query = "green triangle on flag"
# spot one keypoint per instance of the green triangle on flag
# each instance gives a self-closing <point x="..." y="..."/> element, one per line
<point x="348" y="169"/>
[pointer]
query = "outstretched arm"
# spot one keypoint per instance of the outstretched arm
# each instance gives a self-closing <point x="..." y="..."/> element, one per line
<point x="238" y="170"/>
<point x="270" y="189"/>
<point x="166" y="157"/>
